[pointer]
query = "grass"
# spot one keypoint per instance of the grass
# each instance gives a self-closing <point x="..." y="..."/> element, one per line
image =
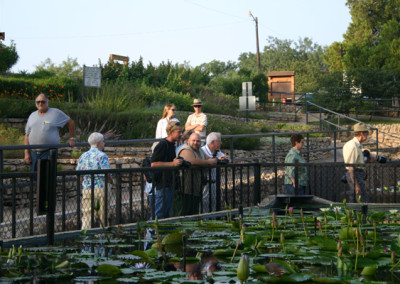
<point x="11" y="136"/>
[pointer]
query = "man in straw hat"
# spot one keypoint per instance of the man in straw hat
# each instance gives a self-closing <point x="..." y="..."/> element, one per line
<point x="352" y="154"/>
<point x="198" y="120"/>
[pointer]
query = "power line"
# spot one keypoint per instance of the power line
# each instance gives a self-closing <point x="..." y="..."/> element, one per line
<point x="131" y="34"/>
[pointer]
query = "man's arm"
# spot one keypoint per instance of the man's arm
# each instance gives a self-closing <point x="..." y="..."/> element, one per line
<point x="71" y="128"/>
<point x="189" y="156"/>
<point x="175" y="163"/>
<point x="27" y="156"/>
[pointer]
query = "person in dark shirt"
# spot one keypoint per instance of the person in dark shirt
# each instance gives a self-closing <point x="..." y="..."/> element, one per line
<point x="164" y="156"/>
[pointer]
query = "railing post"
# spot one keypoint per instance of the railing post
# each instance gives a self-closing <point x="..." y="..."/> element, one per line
<point x="1" y="187"/>
<point x="231" y="148"/>
<point x="257" y="183"/>
<point x="118" y="194"/>
<point x="377" y="142"/>
<point x="218" y="188"/>
<point x="52" y="196"/>
<point x="306" y="111"/>
<point x="275" y="167"/>
<point x="320" y="119"/>
<point x="334" y="145"/>
<point x="308" y="147"/>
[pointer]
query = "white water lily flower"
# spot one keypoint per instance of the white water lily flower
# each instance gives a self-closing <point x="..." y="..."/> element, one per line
<point x="337" y="209"/>
<point x="324" y="210"/>
<point x="393" y="211"/>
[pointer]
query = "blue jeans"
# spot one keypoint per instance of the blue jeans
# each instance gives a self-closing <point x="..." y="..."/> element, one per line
<point x="289" y="188"/>
<point x="163" y="197"/>
<point x="45" y="155"/>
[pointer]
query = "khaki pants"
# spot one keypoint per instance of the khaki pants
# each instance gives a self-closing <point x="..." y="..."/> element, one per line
<point x="87" y="207"/>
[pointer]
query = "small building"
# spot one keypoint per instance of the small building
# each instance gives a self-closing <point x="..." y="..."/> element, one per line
<point x="281" y="86"/>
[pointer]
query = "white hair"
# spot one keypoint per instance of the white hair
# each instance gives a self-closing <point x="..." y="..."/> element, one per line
<point x="213" y="136"/>
<point x="95" y="138"/>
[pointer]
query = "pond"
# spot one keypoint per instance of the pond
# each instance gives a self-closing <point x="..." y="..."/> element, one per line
<point x="331" y="245"/>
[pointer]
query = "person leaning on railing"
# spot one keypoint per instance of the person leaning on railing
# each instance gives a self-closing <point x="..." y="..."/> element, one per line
<point x="94" y="159"/>
<point x="43" y="127"/>
<point x="293" y="155"/>
<point x="352" y="154"/>
<point x="164" y="156"/>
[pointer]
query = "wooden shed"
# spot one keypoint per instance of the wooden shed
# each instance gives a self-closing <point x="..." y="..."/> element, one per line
<point x="281" y="85"/>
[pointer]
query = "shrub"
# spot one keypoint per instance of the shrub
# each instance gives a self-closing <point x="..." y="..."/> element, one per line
<point x="56" y="88"/>
<point x="11" y="136"/>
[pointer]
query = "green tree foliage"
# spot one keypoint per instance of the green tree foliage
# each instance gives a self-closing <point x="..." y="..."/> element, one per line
<point x="370" y="52"/>
<point x="304" y="57"/>
<point x="335" y="92"/>
<point x="68" y="68"/>
<point x="8" y="56"/>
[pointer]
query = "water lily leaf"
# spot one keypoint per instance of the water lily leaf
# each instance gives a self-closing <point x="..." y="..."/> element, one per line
<point x="328" y="244"/>
<point x="378" y="216"/>
<point x="108" y="270"/>
<point x="63" y="264"/>
<point x="152" y="252"/>
<point x="259" y="268"/>
<point x="173" y="239"/>
<point x="56" y="276"/>
<point x="163" y="275"/>
<point x="369" y="270"/>
<point x="347" y="233"/>
<point x="89" y="279"/>
<point x="129" y="280"/>
<point x="289" y="278"/>
<point x="285" y="265"/>
<point x="224" y="252"/>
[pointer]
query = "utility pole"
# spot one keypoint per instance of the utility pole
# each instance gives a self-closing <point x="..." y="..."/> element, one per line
<point x="258" y="48"/>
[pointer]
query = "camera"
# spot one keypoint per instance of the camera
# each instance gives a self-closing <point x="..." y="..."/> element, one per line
<point x="219" y="161"/>
<point x="368" y="155"/>
<point x="222" y="161"/>
<point x="185" y="164"/>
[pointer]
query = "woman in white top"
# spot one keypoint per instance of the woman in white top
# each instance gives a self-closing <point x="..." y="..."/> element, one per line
<point x="168" y="116"/>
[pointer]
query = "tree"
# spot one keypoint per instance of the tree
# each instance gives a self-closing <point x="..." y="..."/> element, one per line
<point x="304" y="57"/>
<point x="69" y="68"/>
<point x="370" y="51"/>
<point x="8" y="56"/>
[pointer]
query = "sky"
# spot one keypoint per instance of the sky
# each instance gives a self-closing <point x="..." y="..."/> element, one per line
<point x="180" y="31"/>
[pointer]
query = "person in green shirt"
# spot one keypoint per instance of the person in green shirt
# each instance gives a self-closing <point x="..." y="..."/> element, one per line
<point x="293" y="155"/>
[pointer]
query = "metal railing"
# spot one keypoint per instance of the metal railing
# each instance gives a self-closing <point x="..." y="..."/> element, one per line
<point x="244" y="184"/>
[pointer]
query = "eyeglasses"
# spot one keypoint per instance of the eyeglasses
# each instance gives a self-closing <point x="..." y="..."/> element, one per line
<point x="173" y="109"/>
<point x="197" y="106"/>
<point x="41" y="102"/>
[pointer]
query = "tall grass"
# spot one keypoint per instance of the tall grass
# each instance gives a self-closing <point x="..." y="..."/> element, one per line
<point x="11" y="136"/>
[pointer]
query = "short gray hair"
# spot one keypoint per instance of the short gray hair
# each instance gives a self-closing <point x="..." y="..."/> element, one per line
<point x="94" y="138"/>
<point x="213" y="136"/>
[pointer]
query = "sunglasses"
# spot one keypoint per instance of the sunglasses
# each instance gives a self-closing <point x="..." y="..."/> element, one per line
<point x="197" y="106"/>
<point x="41" y="102"/>
<point x="173" y="109"/>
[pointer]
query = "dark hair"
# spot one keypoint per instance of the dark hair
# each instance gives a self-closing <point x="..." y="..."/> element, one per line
<point x="186" y="135"/>
<point x="296" y="138"/>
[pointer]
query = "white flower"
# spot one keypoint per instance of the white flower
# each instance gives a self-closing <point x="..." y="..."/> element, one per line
<point x="324" y="210"/>
<point x="337" y="209"/>
<point x="393" y="211"/>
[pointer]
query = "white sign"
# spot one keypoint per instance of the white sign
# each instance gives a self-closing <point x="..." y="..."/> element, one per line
<point x="247" y="86"/>
<point x="247" y="103"/>
<point x="92" y="77"/>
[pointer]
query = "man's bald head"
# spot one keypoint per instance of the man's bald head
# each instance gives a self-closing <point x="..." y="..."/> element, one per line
<point x="194" y="141"/>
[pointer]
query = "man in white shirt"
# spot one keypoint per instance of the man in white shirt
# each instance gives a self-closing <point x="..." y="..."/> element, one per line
<point x="212" y="150"/>
<point x="352" y="154"/>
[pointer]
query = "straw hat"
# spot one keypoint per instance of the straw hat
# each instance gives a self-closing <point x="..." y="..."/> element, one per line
<point x="360" y="127"/>
<point x="197" y="102"/>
